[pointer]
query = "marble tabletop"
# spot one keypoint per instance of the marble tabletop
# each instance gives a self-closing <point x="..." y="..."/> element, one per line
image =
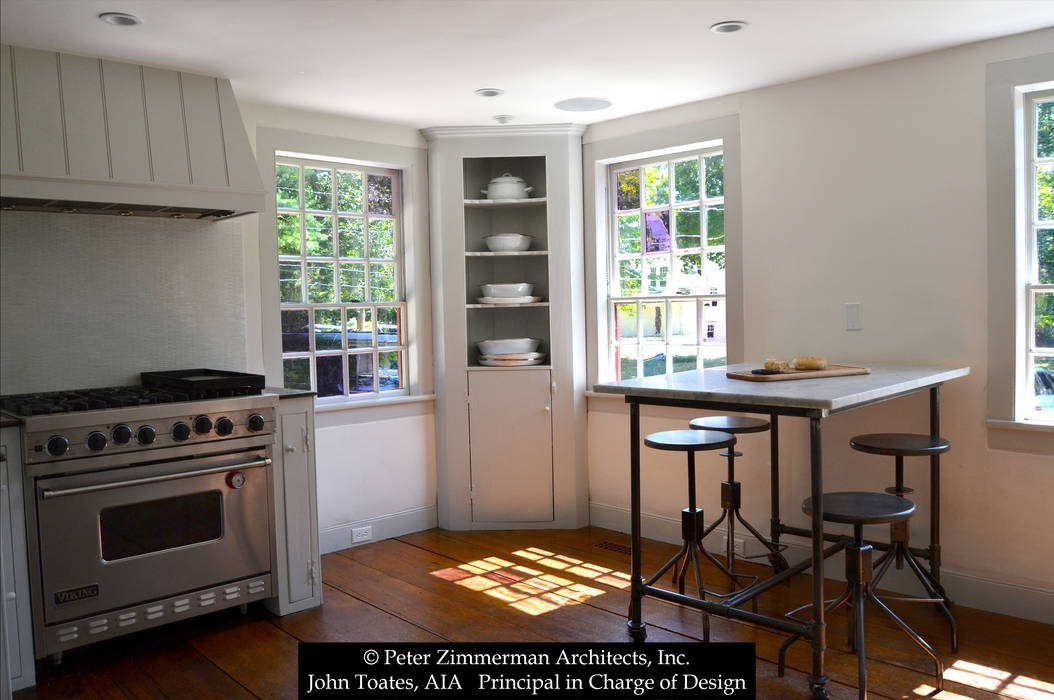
<point x="826" y="394"/>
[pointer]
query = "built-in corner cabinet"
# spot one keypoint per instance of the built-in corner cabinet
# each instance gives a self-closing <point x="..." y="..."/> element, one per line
<point x="510" y="441"/>
<point x="297" y="571"/>
<point x="16" y="626"/>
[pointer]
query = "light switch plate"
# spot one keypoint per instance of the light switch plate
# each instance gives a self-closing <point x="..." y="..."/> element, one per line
<point x="853" y="319"/>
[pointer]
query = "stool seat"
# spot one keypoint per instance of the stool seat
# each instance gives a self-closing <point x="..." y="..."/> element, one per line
<point x="689" y="440"/>
<point x="900" y="444"/>
<point x="862" y="508"/>
<point x="730" y="424"/>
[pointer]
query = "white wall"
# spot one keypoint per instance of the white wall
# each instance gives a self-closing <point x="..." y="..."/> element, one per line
<point x="869" y="185"/>
<point x="89" y="301"/>
<point x="376" y="464"/>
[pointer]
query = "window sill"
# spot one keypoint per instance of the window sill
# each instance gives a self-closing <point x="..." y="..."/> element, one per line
<point x="1028" y="437"/>
<point x="1028" y="425"/>
<point x="371" y="403"/>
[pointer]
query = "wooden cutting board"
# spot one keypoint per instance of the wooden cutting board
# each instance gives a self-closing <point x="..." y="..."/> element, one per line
<point x="788" y="374"/>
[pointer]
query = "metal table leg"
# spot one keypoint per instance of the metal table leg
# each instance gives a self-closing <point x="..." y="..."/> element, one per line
<point x="637" y="628"/>
<point x="774" y="477"/>
<point x="935" y="486"/>
<point x="817" y="680"/>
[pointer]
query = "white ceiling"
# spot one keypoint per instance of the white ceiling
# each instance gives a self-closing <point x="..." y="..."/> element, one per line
<point x="416" y="62"/>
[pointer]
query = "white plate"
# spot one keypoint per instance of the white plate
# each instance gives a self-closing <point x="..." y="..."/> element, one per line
<point x="515" y="356"/>
<point x="510" y="363"/>
<point x="508" y="300"/>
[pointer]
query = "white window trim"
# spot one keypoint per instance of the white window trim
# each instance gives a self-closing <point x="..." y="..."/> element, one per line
<point x="1007" y="85"/>
<point x="598" y="156"/>
<point x="412" y="164"/>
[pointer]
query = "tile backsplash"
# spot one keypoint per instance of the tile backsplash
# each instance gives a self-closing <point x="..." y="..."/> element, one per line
<point x="93" y="300"/>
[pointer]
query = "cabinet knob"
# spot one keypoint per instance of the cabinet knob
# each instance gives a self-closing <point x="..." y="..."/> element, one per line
<point x="290" y="448"/>
<point x="10" y="595"/>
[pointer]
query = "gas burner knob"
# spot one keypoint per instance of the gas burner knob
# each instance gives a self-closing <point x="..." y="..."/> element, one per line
<point x="145" y="435"/>
<point x="57" y="445"/>
<point x="224" y="426"/>
<point x="121" y="434"/>
<point x="180" y="431"/>
<point x="97" y="441"/>
<point x="255" y="423"/>
<point x="202" y="425"/>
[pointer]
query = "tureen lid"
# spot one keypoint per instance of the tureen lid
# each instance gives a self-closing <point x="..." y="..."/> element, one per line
<point x="507" y="178"/>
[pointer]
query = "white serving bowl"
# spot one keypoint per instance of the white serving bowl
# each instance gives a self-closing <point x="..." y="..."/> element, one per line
<point x="510" y="289"/>
<point x="504" y="346"/>
<point x="507" y="242"/>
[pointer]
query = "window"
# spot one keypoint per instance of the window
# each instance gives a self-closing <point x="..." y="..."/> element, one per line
<point x="666" y="277"/>
<point x="340" y="277"/>
<point x="1039" y="286"/>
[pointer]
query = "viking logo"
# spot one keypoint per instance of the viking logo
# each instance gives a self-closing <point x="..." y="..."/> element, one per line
<point x="74" y="594"/>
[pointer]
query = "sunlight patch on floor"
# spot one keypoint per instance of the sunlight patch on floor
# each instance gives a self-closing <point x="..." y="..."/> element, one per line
<point x="561" y="562"/>
<point x="530" y="590"/>
<point x="994" y="680"/>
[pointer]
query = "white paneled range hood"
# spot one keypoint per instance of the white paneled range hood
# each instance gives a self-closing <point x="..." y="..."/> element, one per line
<point x="88" y="135"/>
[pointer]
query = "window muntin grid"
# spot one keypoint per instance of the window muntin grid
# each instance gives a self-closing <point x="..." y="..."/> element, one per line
<point x="1039" y="287"/>
<point x="666" y="286"/>
<point x="342" y="307"/>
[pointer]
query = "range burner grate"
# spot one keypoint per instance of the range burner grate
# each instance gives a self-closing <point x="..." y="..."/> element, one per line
<point x="87" y="400"/>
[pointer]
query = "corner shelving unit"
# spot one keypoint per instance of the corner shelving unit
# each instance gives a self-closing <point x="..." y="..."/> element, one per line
<point x="510" y="440"/>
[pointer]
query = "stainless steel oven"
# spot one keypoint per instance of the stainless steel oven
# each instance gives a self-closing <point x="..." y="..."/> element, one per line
<point x="173" y="522"/>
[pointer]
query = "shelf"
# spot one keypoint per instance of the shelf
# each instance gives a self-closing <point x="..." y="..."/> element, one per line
<point x="499" y="203"/>
<point x="481" y="368"/>
<point x="505" y="306"/>
<point x="507" y="254"/>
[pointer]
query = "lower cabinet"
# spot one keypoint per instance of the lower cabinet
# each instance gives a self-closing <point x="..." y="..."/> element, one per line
<point x="297" y="573"/>
<point x="17" y="626"/>
<point x="511" y="445"/>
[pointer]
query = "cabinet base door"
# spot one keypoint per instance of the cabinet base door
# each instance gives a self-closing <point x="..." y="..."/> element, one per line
<point x="511" y="446"/>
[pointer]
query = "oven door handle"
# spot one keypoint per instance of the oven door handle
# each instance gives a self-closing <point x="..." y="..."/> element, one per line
<point x="51" y="493"/>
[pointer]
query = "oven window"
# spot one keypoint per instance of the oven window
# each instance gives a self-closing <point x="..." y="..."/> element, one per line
<point x="153" y="526"/>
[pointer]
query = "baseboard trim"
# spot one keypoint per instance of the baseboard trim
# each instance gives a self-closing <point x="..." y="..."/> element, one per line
<point x="1004" y="597"/>
<point x="338" y="537"/>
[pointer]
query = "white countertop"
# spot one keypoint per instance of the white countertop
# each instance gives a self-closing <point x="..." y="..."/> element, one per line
<point x="827" y="394"/>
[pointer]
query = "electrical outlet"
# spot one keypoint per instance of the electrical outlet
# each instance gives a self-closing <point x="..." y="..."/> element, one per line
<point x="361" y="534"/>
<point x="853" y="316"/>
<point x="739" y="546"/>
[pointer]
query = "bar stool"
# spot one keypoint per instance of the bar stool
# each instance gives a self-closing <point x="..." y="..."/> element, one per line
<point x="692" y="521"/>
<point x="731" y="495"/>
<point x="859" y="509"/>
<point x="899" y="446"/>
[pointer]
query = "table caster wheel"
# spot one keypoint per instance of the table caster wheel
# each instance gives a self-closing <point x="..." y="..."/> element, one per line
<point x="638" y="634"/>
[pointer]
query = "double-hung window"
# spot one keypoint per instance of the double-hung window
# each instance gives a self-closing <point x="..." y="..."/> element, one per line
<point x="340" y="277"/>
<point x="666" y="276"/>
<point x="1039" y="285"/>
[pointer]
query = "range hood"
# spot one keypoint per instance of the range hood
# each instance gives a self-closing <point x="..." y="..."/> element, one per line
<point x="93" y="136"/>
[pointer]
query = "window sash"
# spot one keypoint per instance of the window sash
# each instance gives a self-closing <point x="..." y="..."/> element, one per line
<point x="376" y="348"/>
<point x="1032" y="285"/>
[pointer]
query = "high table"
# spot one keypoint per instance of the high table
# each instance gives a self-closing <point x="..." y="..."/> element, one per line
<point x="814" y="399"/>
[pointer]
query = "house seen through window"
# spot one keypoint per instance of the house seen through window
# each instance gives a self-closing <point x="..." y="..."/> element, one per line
<point x="666" y="279"/>
<point x="340" y="277"/>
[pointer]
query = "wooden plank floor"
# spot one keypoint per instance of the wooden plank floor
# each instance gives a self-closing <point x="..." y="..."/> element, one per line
<point x="571" y="586"/>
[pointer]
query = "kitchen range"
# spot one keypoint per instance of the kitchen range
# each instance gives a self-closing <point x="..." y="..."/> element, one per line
<point x="145" y="505"/>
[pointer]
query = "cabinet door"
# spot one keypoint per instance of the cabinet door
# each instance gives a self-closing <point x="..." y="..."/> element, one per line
<point x="296" y="486"/>
<point x="511" y="446"/>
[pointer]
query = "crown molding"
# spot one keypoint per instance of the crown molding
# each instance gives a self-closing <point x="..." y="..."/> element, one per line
<point x="437" y="132"/>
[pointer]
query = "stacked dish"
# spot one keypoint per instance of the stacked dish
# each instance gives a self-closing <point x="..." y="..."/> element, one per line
<point x="508" y="293"/>
<point x="510" y="352"/>
<point x="507" y="242"/>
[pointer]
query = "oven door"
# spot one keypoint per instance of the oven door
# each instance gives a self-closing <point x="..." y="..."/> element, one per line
<point x="124" y="536"/>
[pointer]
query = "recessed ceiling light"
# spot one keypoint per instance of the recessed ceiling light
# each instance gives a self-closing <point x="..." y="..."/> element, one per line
<point x="121" y="19"/>
<point x="583" y="104"/>
<point x="490" y="92"/>
<point x="733" y="25"/>
<point x="503" y="118"/>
